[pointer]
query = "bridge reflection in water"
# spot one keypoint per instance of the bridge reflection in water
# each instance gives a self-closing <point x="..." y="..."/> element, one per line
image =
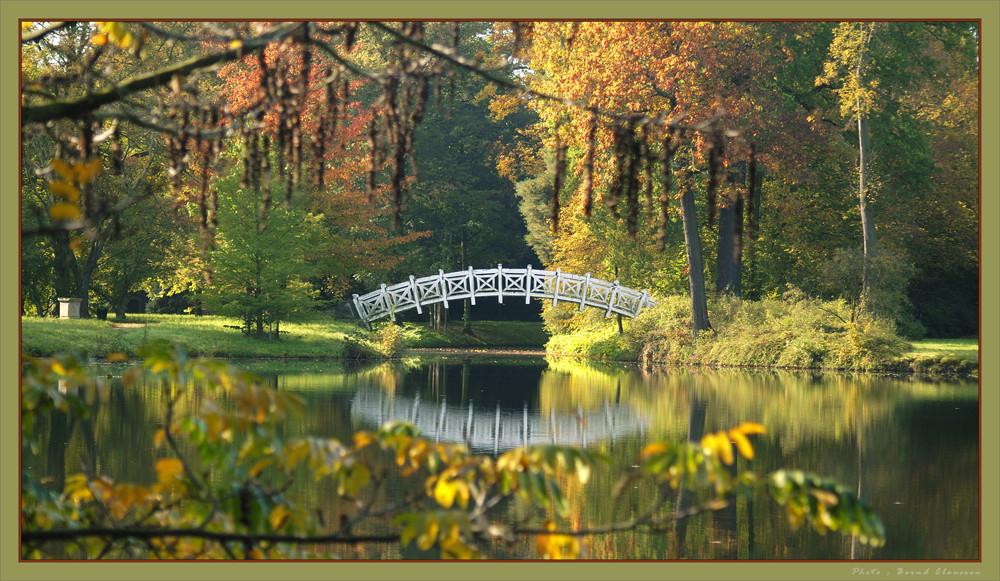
<point x="501" y="428"/>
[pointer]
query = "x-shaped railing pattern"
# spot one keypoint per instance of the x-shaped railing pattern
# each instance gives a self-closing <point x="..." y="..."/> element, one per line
<point x="500" y="282"/>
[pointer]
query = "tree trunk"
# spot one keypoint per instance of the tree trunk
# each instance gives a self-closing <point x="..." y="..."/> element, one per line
<point x="36" y="299"/>
<point x="724" y="256"/>
<point x="466" y="308"/>
<point x="120" y="308"/>
<point x="736" y="280"/>
<point x="867" y="222"/>
<point x="696" y="269"/>
<point x="864" y="159"/>
<point x="439" y="316"/>
<point x="685" y="497"/>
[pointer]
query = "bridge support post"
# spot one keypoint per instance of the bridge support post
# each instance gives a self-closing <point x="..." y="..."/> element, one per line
<point x="500" y="283"/>
<point x="555" y="287"/>
<point x="611" y="299"/>
<point x="444" y="288"/>
<point x="527" y="285"/>
<point x="413" y="293"/>
<point x="472" y="286"/>
<point x="641" y="303"/>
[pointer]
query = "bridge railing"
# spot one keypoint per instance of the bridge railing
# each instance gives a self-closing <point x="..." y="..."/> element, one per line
<point x="500" y="282"/>
<point x="482" y="428"/>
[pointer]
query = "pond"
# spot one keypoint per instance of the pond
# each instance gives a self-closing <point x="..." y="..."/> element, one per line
<point x="910" y="447"/>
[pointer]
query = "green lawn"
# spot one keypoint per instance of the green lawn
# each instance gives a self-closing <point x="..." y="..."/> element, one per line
<point x="206" y="336"/>
<point x="210" y="336"/>
<point x="961" y="348"/>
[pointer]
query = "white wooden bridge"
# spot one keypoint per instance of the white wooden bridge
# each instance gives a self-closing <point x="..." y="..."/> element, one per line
<point x="483" y="429"/>
<point x="500" y="282"/>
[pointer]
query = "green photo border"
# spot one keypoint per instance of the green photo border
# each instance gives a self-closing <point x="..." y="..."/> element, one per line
<point x="12" y="10"/>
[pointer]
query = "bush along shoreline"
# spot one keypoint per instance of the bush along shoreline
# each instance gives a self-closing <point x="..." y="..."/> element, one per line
<point x="791" y="332"/>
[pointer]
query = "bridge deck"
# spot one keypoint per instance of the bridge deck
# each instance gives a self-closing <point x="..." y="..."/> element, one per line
<point x="500" y="282"/>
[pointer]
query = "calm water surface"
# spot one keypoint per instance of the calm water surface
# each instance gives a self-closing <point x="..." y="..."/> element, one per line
<point x="910" y="447"/>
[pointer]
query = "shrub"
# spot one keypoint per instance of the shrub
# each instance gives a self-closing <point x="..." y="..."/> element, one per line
<point x="794" y="330"/>
<point x="388" y="339"/>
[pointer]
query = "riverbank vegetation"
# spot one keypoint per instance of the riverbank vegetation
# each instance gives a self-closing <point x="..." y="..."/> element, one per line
<point x="793" y="332"/>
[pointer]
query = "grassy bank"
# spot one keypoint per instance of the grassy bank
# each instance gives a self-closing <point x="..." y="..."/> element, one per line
<point x="799" y="333"/>
<point x="206" y="336"/>
<point x="209" y="336"/>
<point x="943" y="356"/>
<point x="793" y="332"/>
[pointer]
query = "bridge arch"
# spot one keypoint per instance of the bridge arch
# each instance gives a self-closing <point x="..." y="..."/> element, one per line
<point x="500" y="282"/>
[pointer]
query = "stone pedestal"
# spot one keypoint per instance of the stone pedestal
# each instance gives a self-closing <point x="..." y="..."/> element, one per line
<point x="69" y="308"/>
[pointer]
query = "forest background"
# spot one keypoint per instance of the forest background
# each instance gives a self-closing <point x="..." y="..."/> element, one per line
<point x="988" y="176"/>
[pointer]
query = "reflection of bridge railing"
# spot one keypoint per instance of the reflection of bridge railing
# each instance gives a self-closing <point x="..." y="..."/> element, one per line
<point x="500" y="282"/>
<point x="497" y="429"/>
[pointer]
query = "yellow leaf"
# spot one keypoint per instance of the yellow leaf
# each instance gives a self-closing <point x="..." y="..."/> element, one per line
<point x="742" y="444"/>
<point x="158" y="438"/>
<point x="169" y="472"/>
<point x="235" y="43"/>
<point x="26" y="25"/>
<point x="279" y="514"/>
<point x="78" y="489"/>
<point x="87" y="171"/>
<point x="99" y="39"/>
<point x="63" y="211"/>
<point x="551" y="546"/>
<point x="160" y="366"/>
<point x="362" y="439"/>
<point x="260" y="465"/>
<point x="65" y="190"/>
<point x="718" y="444"/>
<point x="63" y="169"/>
<point x="795" y="516"/>
<point x="427" y="539"/>
<point x="725" y="448"/>
<point x="751" y="428"/>
<point x="652" y="450"/>
<point x="445" y="492"/>
<point x="104" y="485"/>
<point x="582" y="471"/>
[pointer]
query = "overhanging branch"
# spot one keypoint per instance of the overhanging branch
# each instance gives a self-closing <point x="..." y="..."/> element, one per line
<point x="85" y="105"/>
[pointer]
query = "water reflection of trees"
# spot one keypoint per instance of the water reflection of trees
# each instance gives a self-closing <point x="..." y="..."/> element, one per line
<point x="910" y="445"/>
<point x="894" y="438"/>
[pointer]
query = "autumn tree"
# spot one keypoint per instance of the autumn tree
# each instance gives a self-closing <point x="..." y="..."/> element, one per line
<point x="878" y="71"/>
<point x="674" y="105"/>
